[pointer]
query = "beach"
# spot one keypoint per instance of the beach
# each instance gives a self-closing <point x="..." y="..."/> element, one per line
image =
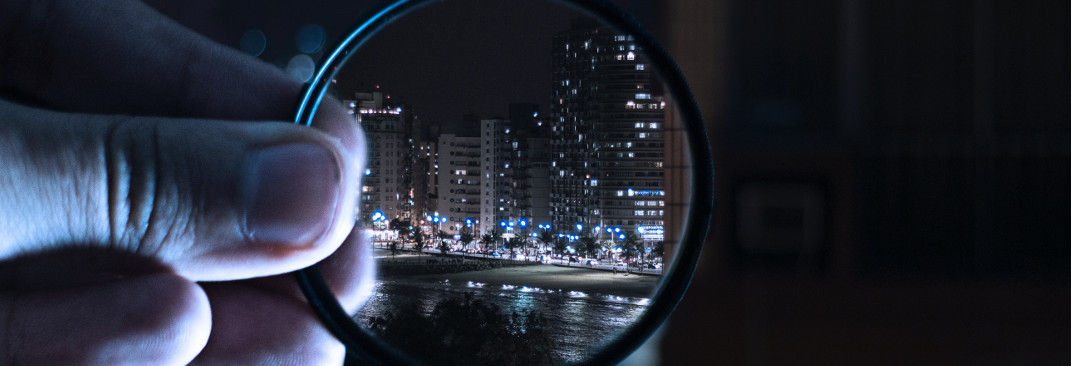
<point x="552" y="277"/>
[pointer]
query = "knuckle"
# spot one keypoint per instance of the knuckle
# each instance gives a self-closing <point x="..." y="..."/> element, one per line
<point x="145" y="208"/>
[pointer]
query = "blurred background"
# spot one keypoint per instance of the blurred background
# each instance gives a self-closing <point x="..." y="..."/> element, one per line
<point x="892" y="178"/>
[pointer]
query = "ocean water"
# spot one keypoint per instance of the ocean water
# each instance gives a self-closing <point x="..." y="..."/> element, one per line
<point x="580" y="322"/>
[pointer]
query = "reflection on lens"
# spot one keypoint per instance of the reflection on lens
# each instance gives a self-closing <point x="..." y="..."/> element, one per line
<point x="524" y="211"/>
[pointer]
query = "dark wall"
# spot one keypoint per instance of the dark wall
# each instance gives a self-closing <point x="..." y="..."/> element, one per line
<point x="914" y="158"/>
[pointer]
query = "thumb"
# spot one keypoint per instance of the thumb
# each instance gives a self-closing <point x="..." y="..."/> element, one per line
<point x="216" y="200"/>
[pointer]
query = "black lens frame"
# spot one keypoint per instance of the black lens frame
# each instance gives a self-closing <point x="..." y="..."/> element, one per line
<point x="364" y="347"/>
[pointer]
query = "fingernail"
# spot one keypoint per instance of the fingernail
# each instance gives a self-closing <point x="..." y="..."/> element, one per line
<point x="290" y="194"/>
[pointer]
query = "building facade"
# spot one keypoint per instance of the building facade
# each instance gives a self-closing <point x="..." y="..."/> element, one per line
<point x="607" y="144"/>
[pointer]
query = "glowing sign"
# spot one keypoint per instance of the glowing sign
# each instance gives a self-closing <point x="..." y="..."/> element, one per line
<point x="651" y="232"/>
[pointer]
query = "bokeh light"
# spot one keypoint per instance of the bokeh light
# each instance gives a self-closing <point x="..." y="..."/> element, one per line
<point x="310" y="38"/>
<point x="252" y="42"/>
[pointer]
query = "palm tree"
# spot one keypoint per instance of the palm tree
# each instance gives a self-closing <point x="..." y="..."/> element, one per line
<point x="401" y="227"/>
<point x="419" y="239"/>
<point x="443" y="246"/>
<point x="632" y="246"/>
<point x="545" y="238"/>
<point x="589" y="246"/>
<point x="515" y="242"/>
<point x="560" y="246"/>
<point x="489" y="238"/>
<point x="466" y="236"/>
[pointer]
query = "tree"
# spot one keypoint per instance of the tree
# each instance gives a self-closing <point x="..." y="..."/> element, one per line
<point x="658" y="251"/>
<point x="589" y="246"/>
<point x="419" y="239"/>
<point x="443" y="246"/>
<point x="545" y="238"/>
<point x="632" y="246"/>
<point x="515" y="242"/>
<point x="401" y="227"/>
<point x="466" y="236"/>
<point x="489" y="238"/>
<point x="560" y="246"/>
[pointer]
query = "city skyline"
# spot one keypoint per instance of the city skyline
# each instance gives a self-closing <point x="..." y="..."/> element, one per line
<point x="587" y="154"/>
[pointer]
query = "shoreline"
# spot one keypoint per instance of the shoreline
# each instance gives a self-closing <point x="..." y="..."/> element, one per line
<point x="552" y="277"/>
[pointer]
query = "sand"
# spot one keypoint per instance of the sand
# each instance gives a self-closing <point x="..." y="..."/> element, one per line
<point x="551" y="277"/>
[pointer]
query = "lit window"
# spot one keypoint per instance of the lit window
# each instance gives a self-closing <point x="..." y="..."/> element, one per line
<point x="642" y="96"/>
<point x="640" y="67"/>
<point x="653" y="125"/>
<point x="630" y="56"/>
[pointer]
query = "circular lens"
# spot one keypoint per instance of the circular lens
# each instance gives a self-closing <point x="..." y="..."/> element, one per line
<point x="537" y="187"/>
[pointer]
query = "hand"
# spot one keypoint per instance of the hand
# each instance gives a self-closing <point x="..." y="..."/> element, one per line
<point x="144" y="217"/>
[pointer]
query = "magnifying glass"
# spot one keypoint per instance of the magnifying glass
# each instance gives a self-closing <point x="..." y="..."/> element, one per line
<point x="563" y="231"/>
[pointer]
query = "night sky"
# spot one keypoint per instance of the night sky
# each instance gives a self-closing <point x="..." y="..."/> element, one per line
<point x="464" y="57"/>
<point x="446" y="59"/>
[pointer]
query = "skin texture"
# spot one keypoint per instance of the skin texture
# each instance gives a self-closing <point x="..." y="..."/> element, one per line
<point x="154" y="196"/>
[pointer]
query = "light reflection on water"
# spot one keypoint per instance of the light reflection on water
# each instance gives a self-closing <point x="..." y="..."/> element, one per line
<point x="578" y="321"/>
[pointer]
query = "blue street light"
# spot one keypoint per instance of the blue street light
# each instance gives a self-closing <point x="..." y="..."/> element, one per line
<point x="503" y="223"/>
<point x="522" y="222"/>
<point x="377" y="216"/>
<point x="616" y="229"/>
<point x="470" y="222"/>
<point x="578" y="227"/>
<point x="608" y="229"/>
<point x="622" y="236"/>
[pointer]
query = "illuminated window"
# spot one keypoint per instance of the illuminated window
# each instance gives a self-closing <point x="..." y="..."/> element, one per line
<point x="640" y="67"/>
<point x="642" y="96"/>
<point x="630" y="56"/>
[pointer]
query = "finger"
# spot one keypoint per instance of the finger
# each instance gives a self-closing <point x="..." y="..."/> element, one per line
<point x="124" y="57"/>
<point x="349" y="273"/>
<point x="147" y="319"/>
<point x="253" y="326"/>
<point x="215" y="200"/>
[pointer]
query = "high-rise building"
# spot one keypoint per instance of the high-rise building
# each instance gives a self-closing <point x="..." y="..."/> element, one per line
<point x="496" y="173"/>
<point x="385" y="186"/>
<point x="607" y="145"/>
<point x="458" y="181"/>
<point x="515" y="168"/>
